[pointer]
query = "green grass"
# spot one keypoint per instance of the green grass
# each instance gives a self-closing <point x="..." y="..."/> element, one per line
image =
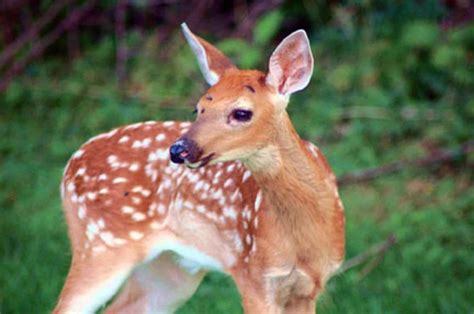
<point x="385" y="99"/>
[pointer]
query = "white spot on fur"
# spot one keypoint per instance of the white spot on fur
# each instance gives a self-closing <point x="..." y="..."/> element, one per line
<point x="124" y="139"/>
<point x="74" y="198"/>
<point x="217" y="194"/>
<point x="103" y="177"/>
<point x="198" y="186"/>
<point x="119" y="180"/>
<point x="160" y="137"/>
<point x="237" y="242"/>
<point x="91" y="196"/>
<point x="236" y="195"/>
<point x="137" y="189"/>
<point x="254" y="247"/>
<point x="92" y="228"/>
<point x="201" y="208"/>
<point x="134" y="126"/>
<point x="230" y="212"/>
<point x="136" y="200"/>
<point x="248" y="239"/>
<point x="339" y="203"/>
<point x="313" y="149"/>
<point x="212" y="216"/>
<point x="230" y="168"/>
<point x="111" y="159"/>
<point x="71" y="187"/>
<point x="111" y="133"/>
<point x="101" y="223"/>
<point x="81" y="212"/>
<point x="78" y="154"/>
<point x="178" y="202"/>
<point x="258" y="200"/>
<point x="134" y="167"/>
<point x="138" y="217"/>
<point x="135" y="235"/>
<point x="145" y="143"/>
<point x="81" y="171"/>
<point x="159" y="154"/>
<point x="161" y="209"/>
<point x="107" y="237"/>
<point x="151" y="172"/>
<point x="192" y="177"/>
<point x="127" y="209"/>
<point x="246" y="214"/>
<point x="228" y="182"/>
<point x="246" y="175"/>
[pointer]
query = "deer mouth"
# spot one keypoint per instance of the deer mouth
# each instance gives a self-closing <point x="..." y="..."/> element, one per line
<point x="200" y="163"/>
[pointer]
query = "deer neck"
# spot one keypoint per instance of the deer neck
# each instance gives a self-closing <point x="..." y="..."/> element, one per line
<point x="290" y="181"/>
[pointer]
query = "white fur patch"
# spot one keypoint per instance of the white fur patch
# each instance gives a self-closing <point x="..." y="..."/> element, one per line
<point x="190" y="258"/>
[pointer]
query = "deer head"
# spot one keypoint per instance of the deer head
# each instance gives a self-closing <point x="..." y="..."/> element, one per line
<point x="242" y="113"/>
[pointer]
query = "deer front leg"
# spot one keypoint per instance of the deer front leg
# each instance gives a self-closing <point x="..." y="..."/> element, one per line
<point x="289" y="291"/>
<point x="256" y="293"/>
<point x="92" y="281"/>
<point x="160" y="286"/>
<point x="256" y="302"/>
<point x="300" y="304"/>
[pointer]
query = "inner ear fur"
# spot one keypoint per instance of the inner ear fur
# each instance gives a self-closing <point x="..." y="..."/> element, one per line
<point x="291" y="64"/>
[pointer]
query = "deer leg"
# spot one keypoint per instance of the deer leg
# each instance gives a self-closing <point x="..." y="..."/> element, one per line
<point x="253" y="304"/>
<point x="255" y="294"/>
<point x="159" y="286"/>
<point x="92" y="281"/>
<point x="300" y="305"/>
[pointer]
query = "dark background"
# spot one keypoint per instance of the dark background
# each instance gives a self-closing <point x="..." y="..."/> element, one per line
<point x="390" y="104"/>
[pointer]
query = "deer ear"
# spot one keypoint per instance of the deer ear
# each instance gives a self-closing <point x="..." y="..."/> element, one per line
<point x="291" y="64"/>
<point x="212" y="62"/>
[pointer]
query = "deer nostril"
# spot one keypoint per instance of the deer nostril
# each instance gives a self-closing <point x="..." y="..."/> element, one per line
<point x="177" y="153"/>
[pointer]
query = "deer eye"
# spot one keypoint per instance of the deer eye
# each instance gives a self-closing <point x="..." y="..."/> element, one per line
<point x="241" y="115"/>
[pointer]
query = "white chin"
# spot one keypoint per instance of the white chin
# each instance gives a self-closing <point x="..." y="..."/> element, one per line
<point x="193" y="165"/>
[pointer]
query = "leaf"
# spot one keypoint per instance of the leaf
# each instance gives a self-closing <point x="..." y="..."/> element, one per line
<point x="420" y="34"/>
<point x="447" y="56"/>
<point x="267" y="27"/>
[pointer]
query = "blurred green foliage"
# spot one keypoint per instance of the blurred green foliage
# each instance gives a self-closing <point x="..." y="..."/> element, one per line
<point x="388" y="84"/>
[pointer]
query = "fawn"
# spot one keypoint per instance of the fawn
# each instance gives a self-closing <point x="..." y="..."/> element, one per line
<point x="156" y="205"/>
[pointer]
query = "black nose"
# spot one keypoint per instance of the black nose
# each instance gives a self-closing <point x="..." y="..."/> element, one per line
<point x="178" y="152"/>
<point x="185" y="149"/>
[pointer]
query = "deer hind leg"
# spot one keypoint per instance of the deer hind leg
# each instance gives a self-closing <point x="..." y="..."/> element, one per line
<point x="92" y="281"/>
<point x="159" y="286"/>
